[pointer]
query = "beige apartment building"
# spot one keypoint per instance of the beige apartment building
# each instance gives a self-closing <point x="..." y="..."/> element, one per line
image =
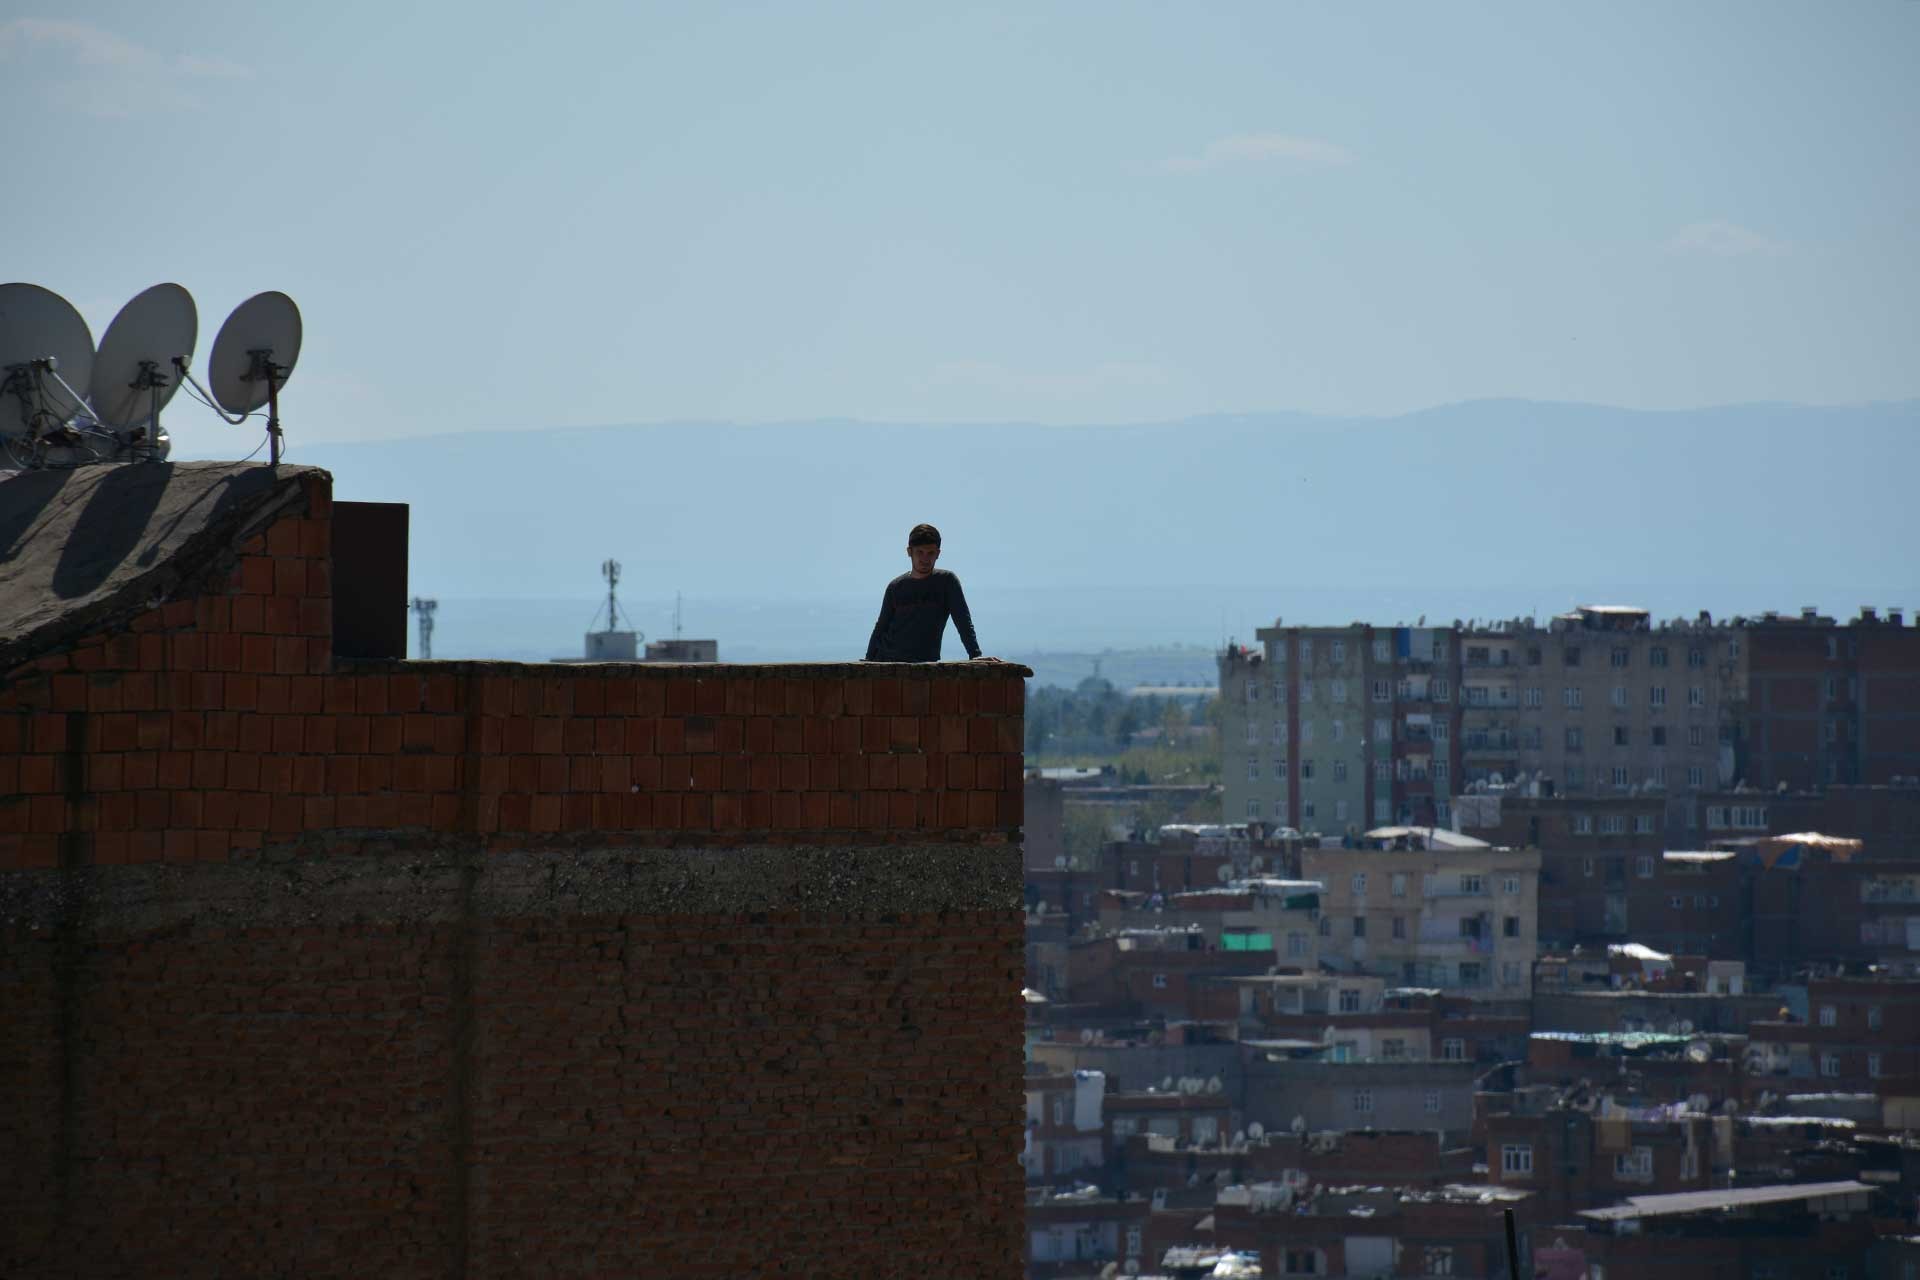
<point x="1430" y="909"/>
<point x="1339" y="729"/>
<point x="1604" y="703"/>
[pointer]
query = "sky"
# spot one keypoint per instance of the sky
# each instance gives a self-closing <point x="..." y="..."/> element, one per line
<point x="504" y="216"/>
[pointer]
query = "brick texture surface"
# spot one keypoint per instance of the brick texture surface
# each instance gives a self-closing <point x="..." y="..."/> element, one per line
<point x="670" y="1092"/>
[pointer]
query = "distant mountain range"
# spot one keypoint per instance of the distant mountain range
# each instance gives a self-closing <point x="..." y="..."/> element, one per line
<point x="1132" y="536"/>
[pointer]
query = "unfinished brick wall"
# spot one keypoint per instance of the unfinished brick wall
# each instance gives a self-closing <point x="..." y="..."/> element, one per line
<point x="475" y="968"/>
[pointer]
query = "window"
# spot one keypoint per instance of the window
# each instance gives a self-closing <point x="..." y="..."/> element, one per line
<point x="1619" y="658"/>
<point x="1279" y="733"/>
<point x="1359" y="926"/>
<point x="1382" y="691"/>
<point x="1516" y="1158"/>
<point x="1733" y="646"/>
<point x="1383" y="771"/>
<point x="1510" y="927"/>
<point x="1393" y="1048"/>
<point x="1574" y="737"/>
<point x="1306" y="648"/>
<point x="1382" y="651"/>
<point x="1873" y="1065"/>
<point x="1510" y="886"/>
<point x="1613" y="824"/>
<point x="1571" y="697"/>
<point x="1326" y="926"/>
<point x="1696" y="776"/>
<point x="1675" y="902"/>
<point x="1339" y="770"/>
<point x="1657" y="656"/>
<point x="1253" y="808"/>
<point x="1398" y="884"/>
<point x="1643" y="866"/>
<point x="1159" y="982"/>
<point x="1360" y="884"/>
<point x="1453" y="1050"/>
<point x="1586" y="866"/>
<point x="1253" y="733"/>
<point x="1620" y="735"/>
<point x="1306" y="691"/>
<point x="1470" y="883"/>
<point x="1349" y="1000"/>
<point x="1431" y="1102"/>
<point x="1576" y="776"/>
<point x="1476" y="695"/>
<point x="1306" y="734"/>
<point x="1696" y="735"/>
<point x="1571" y="655"/>
<point x="1533" y="655"/>
<point x="1829" y="1064"/>
<point x="1382" y="730"/>
<point x="1337" y="690"/>
<point x="1439" y="649"/>
<point x="1696" y="658"/>
<point x="1442" y="690"/>
<point x="1306" y="768"/>
<point x="1400" y="928"/>
<point x="1339" y="651"/>
<point x="1470" y="973"/>
<point x="1657" y="775"/>
<point x="1339" y="730"/>
<point x="1280" y="768"/>
<point x="1440" y="771"/>
<point x="1656" y="695"/>
<point x="1829" y="1016"/>
<point x="1339" y="810"/>
<point x="1509" y="973"/>
<point x="1059" y="1112"/>
<point x="1363" y="1102"/>
<point x="1643" y="824"/>
<point x="1635" y="1165"/>
<point x="1133" y="1242"/>
<point x="1303" y="1262"/>
<point x="1873" y="1017"/>
<point x="1618" y="696"/>
<point x="1253" y="691"/>
<point x="1296" y="943"/>
<point x="1583" y="826"/>
<point x="1306" y="809"/>
<point x="1696" y="696"/>
<point x="1530" y="697"/>
<point x="1619" y="775"/>
<point x="1441" y="731"/>
<point x="1253" y="769"/>
<point x="1659" y="733"/>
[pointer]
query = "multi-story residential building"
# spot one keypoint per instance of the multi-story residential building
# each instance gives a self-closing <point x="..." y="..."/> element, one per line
<point x="1430" y="908"/>
<point x="1860" y="1035"/>
<point x="1278" y="919"/>
<point x="1336" y="729"/>
<point x="1592" y="850"/>
<point x="1829" y="703"/>
<point x="1611" y="705"/>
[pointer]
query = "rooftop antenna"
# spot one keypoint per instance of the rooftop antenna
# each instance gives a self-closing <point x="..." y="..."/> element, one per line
<point x="676" y="615"/>
<point x="610" y="570"/>
<point x="154" y="332"/>
<point x="253" y="357"/>
<point x="46" y="366"/>
<point x="424" y="610"/>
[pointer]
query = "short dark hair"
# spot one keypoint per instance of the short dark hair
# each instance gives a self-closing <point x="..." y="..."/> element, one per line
<point x="922" y="535"/>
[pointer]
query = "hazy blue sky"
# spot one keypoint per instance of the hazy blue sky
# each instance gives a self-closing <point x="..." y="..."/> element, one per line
<point x="498" y="215"/>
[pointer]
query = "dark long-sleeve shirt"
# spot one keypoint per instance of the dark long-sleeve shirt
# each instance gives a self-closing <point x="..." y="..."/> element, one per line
<point x="913" y="616"/>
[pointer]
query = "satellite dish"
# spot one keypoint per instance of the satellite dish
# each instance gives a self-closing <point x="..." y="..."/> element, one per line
<point x="1699" y="1051"/>
<point x="1086" y="1035"/>
<point x="1214" y="1084"/>
<point x="1299" y="1125"/>
<point x="1166" y="1086"/>
<point x="253" y="357"/>
<point x="1223" y="872"/>
<point x="46" y="365"/>
<point x="1256" y="1130"/>
<point x="133" y="374"/>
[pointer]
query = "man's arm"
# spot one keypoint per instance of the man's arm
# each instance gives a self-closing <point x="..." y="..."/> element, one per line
<point x="962" y="619"/>
<point x="873" y="641"/>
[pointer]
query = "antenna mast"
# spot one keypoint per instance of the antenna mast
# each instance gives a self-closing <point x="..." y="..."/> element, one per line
<point x="423" y="609"/>
<point x="676" y="615"/>
<point x="610" y="570"/>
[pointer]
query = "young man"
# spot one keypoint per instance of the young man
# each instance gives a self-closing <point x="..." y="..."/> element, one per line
<point x="914" y="612"/>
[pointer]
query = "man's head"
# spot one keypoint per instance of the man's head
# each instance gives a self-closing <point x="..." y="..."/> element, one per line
<point x="923" y="549"/>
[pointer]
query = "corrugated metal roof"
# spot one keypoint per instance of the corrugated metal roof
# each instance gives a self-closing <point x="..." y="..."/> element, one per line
<point x="1708" y="1201"/>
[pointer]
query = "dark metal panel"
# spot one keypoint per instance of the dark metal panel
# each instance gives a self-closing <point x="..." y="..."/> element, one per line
<point x="370" y="579"/>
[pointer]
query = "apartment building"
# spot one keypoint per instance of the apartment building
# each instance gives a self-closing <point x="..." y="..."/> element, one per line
<point x="1830" y="703"/>
<point x="1336" y="729"/>
<point x="1430" y="908"/>
<point x="1606" y="703"/>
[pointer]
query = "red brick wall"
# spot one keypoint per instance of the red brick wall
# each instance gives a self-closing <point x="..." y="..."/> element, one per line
<point x="494" y="969"/>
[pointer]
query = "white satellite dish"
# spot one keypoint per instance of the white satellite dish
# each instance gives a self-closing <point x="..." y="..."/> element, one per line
<point x="1223" y="873"/>
<point x="1299" y="1125"/>
<point x="1166" y="1086"/>
<point x="46" y="366"/>
<point x="1086" y="1035"/>
<point x="133" y="374"/>
<point x="1214" y="1084"/>
<point x="1256" y="1130"/>
<point x="253" y="357"/>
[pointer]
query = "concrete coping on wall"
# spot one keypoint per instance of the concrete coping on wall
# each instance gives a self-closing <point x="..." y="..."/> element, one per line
<point x="672" y="670"/>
